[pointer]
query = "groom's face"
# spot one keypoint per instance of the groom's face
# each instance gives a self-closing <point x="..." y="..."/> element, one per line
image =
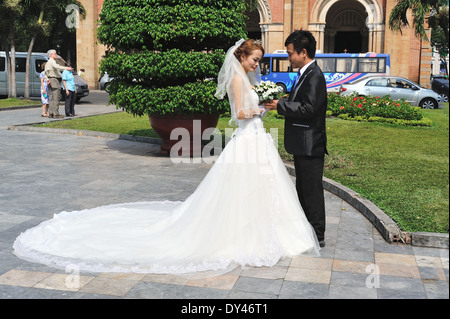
<point x="297" y="59"/>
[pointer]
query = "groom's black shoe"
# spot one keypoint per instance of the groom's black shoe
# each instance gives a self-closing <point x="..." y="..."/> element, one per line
<point x="322" y="243"/>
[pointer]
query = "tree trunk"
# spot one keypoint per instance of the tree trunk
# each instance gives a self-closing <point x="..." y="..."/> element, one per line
<point x="30" y="50"/>
<point x="12" y="77"/>
<point x="8" y="65"/>
<point x="27" y="72"/>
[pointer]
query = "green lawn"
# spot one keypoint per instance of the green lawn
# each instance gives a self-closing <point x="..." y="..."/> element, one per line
<point x="17" y="102"/>
<point x="403" y="170"/>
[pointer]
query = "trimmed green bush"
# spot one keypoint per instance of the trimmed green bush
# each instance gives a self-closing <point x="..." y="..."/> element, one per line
<point x="164" y="55"/>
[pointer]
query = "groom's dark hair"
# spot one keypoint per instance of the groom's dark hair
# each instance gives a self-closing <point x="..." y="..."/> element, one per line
<point x="302" y="39"/>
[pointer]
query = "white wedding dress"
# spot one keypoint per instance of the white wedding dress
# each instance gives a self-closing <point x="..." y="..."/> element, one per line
<point x="245" y="212"/>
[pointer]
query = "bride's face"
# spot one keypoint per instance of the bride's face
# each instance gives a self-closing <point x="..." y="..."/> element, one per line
<point x="251" y="62"/>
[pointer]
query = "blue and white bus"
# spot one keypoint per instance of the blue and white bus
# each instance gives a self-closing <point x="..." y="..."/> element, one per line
<point x="338" y="68"/>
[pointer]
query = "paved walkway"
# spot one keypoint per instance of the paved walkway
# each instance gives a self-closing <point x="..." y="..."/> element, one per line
<point x="45" y="173"/>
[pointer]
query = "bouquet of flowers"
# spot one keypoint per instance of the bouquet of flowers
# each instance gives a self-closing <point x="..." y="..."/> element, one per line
<point x="268" y="91"/>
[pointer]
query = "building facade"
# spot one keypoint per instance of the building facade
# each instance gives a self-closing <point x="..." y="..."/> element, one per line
<point x="353" y="26"/>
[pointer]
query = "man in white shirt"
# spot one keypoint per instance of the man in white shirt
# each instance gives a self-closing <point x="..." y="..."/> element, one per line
<point x="53" y="72"/>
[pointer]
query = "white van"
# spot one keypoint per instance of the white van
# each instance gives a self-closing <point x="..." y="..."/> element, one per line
<point x="36" y="61"/>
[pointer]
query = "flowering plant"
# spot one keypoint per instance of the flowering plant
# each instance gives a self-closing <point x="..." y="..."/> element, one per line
<point x="268" y="91"/>
<point x="379" y="109"/>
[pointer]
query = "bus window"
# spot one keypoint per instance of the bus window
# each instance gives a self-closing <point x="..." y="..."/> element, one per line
<point x="368" y="65"/>
<point x="281" y="65"/>
<point x="346" y="65"/>
<point x="327" y="65"/>
<point x="381" y="65"/>
<point x="265" y="66"/>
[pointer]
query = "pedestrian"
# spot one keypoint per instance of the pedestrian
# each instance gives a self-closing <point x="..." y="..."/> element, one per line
<point x="305" y="134"/>
<point x="53" y="72"/>
<point x="44" y="91"/>
<point x="71" y="92"/>
<point x="81" y="73"/>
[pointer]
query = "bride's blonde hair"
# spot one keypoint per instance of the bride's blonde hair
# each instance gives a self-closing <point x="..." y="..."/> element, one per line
<point x="247" y="47"/>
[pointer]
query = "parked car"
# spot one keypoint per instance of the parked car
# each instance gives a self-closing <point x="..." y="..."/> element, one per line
<point x="104" y="81"/>
<point x="396" y="87"/>
<point x="439" y="84"/>
<point x="81" y="86"/>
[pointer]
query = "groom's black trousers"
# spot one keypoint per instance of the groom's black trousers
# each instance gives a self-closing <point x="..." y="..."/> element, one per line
<point x="309" y="175"/>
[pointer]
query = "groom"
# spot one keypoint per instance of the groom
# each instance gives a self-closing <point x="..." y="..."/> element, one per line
<point x="305" y="133"/>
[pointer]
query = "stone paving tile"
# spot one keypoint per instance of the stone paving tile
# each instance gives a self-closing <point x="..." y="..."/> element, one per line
<point x="429" y="261"/>
<point x="224" y="282"/>
<point x="351" y="266"/>
<point x="265" y="272"/>
<point x="22" y="278"/>
<point x="432" y="273"/>
<point x="396" y="259"/>
<point x="67" y="282"/>
<point x="109" y="286"/>
<point x="398" y="270"/>
<point x="354" y="255"/>
<point x="258" y="285"/>
<point x="303" y="290"/>
<point x="312" y="263"/>
<point x="180" y="280"/>
<point x="436" y="289"/>
<point x="401" y="283"/>
<point x="400" y="294"/>
<point x="151" y="290"/>
<point x="309" y="275"/>
<point x="350" y="279"/>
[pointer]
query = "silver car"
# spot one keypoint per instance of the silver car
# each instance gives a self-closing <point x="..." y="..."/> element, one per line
<point x="396" y="87"/>
<point x="104" y="81"/>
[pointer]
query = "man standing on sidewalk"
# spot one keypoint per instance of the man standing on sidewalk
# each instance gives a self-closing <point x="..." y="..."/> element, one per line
<point x="71" y="92"/>
<point x="53" y="72"/>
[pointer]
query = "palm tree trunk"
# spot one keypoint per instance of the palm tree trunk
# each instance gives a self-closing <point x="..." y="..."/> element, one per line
<point x="27" y="72"/>
<point x="30" y="50"/>
<point x="12" y="73"/>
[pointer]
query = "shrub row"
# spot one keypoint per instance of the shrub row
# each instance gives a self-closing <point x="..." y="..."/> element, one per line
<point x="158" y="69"/>
<point x="381" y="110"/>
<point x="373" y="107"/>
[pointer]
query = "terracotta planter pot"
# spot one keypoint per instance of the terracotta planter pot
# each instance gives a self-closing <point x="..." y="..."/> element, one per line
<point x="186" y="131"/>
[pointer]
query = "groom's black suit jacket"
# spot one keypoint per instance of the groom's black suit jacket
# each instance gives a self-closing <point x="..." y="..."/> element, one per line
<point x="305" y="113"/>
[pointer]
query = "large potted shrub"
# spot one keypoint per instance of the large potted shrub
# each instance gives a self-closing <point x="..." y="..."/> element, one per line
<point x="164" y="57"/>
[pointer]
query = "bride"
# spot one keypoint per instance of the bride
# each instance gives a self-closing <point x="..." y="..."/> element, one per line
<point x="245" y="212"/>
